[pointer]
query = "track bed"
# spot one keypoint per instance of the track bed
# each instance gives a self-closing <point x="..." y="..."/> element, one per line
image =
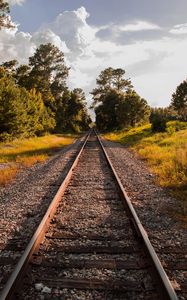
<point x="90" y="250"/>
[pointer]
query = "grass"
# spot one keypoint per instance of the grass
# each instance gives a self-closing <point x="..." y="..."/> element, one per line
<point x="7" y="174"/>
<point x="166" y="155"/>
<point x="25" y="153"/>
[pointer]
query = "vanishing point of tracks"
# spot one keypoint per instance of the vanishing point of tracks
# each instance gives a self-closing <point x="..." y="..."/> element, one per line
<point x="90" y="243"/>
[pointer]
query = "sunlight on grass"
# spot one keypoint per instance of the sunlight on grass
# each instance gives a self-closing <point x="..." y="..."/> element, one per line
<point x="28" y="152"/>
<point x="7" y="174"/>
<point x="31" y="160"/>
<point x="166" y="154"/>
<point x="130" y="137"/>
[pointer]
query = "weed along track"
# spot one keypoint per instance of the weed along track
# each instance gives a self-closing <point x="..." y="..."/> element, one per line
<point x="90" y="244"/>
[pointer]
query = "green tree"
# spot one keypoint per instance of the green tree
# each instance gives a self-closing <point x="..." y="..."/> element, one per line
<point x="106" y="118"/>
<point x="179" y="100"/>
<point x="39" y="117"/>
<point x="108" y="80"/>
<point x="62" y="120"/>
<point x="22" y="76"/>
<point x="72" y="114"/>
<point x="132" y="110"/>
<point x="76" y="110"/>
<point x="116" y="103"/>
<point x="22" y="112"/>
<point x="48" y="73"/>
<point x="5" y="21"/>
<point x="13" y="114"/>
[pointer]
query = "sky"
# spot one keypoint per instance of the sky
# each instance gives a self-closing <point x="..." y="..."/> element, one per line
<point x="146" y="38"/>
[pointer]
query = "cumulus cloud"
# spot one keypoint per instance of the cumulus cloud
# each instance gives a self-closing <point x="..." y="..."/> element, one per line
<point x="15" y="45"/>
<point x="14" y="2"/>
<point x="71" y="27"/>
<point x="48" y="36"/>
<point x="179" y="29"/>
<point x="153" y="57"/>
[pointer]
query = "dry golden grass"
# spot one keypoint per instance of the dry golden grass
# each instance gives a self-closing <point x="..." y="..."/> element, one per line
<point x="31" y="160"/>
<point x="7" y="174"/>
<point x="28" y="152"/>
<point x="165" y="153"/>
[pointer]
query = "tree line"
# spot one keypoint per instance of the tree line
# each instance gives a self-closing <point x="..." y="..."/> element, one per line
<point x="35" y="99"/>
<point x="117" y="104"/>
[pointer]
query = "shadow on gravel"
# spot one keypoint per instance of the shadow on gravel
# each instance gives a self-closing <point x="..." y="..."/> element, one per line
<point x="33" y="215"/>
<point x="19" y="241"/>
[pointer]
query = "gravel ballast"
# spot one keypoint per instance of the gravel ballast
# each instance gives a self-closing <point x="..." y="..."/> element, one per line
<point x="152" y="204"/>
<point x="24" y="202"/>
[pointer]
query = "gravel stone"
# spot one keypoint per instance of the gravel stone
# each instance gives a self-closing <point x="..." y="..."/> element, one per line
<point x="152" y="204"/>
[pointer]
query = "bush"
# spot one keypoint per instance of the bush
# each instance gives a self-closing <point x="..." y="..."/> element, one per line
<point x="6" y="137"/>
<point x="159" y="118"/>
<point x="158" y="123"/>
<point x="174" y="126"/>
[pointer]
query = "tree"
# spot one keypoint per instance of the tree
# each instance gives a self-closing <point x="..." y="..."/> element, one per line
<point x="61" y="111"/>
<point x="22" y="112"/>
<point x="76" y="110"/>
<point x="106" y="111"/>
<point x="5" y="21"/>
<point x="10" y="66"/>
<point x="116" y="104"/>
<point x="39" y="118"/>
<point x="110" y="79"/>
<point x="13" y="114"/>
<point x="80" y="117"/>
<point x="179" y="100"/>
<point x="132" y="110"/>
<point x="71" y="114"/>
<point x="48" y="73"/>
<point x="22" y="76"/>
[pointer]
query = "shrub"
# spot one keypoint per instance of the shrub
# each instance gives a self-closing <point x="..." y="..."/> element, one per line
<point x="158" y="121"/>
<point x="159" y="118"/>
<point x="174" y="126"/>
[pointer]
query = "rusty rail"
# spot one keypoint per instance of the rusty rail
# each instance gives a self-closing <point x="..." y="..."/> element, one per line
<point x="15" y="278"/>
<point x="166" y="290"/>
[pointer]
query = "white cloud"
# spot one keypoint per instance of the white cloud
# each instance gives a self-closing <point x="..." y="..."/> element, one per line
<point x="156" y="66"/>
<point x="126" y="33"/>
<point x="48" y="36"/>
<point x="138" y="26"/>
<point x="15" y="45"/>
<point x="179" y="29"/>
<point x="71" y="27"/>
<point x="14" y="2"/>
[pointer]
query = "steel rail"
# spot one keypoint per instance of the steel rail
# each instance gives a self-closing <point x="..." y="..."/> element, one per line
<point x="17" y="275"/>
<point x="166" y="290"/>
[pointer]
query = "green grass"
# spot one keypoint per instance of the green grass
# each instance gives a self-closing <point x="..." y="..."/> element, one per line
<point x="19" y="153"/>
<point x="165" y="153"/>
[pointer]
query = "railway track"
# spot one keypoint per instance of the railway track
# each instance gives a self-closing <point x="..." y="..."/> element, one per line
<point x="90" y="243"/>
